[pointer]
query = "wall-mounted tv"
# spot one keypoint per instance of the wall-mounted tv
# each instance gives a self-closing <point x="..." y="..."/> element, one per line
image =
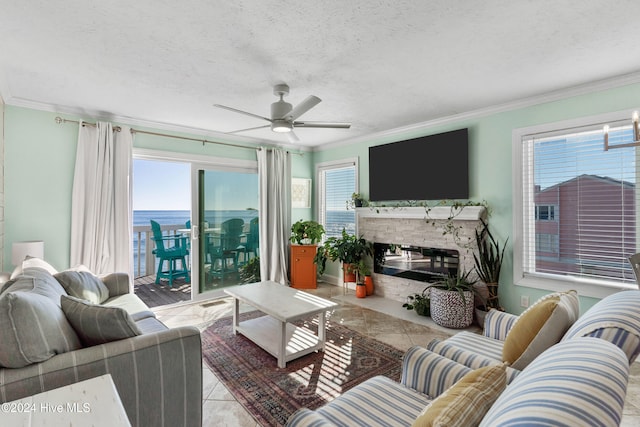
<point x="431" y="167"/>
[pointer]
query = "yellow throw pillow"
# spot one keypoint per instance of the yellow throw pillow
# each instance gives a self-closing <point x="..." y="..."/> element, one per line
<point x="526" y="329"/>
<point x="539" y="327"/>
<point x="467" y="401"/>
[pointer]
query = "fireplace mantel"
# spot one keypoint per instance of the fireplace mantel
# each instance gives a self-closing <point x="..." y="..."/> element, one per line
<point x="466" y="213"/>
<point x="413" y="226"/>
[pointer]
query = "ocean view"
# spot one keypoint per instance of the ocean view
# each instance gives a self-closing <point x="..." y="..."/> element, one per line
<point x="214" y="218"/>
<point x="179" y="218"/>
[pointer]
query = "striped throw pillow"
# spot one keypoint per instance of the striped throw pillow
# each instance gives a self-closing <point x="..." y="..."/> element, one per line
<point x="32" y="328"/>
<point x="84" y="285"/>
<point x="97" y="324"/>
<point x="466" y="403"/>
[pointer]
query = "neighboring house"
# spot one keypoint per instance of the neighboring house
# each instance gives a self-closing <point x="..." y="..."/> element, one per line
<point x="607" y="219"/>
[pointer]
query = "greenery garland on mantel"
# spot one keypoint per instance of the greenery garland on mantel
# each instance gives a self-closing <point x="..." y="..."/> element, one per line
<point x="443" y="215"/>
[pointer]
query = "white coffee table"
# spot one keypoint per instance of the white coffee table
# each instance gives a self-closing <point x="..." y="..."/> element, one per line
<point x="282" y="305"/>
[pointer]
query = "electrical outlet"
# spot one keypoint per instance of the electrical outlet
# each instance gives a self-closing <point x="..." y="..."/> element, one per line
<point x="524" y="301"/>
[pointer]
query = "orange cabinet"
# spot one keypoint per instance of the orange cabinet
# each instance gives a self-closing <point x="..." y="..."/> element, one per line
<point x="303" y="269"/>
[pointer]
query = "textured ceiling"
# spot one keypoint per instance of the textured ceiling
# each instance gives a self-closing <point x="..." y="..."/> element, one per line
<point x="378" y="64"/>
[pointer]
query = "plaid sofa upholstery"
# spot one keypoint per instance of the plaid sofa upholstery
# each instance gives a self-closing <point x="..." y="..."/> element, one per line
<point x="158" y="374"/>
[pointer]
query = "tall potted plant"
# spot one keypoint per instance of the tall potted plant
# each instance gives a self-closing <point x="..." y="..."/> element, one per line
<point x="348" y="249"/>
<point x="488" y="263"/>
<point x="452" y="301"/>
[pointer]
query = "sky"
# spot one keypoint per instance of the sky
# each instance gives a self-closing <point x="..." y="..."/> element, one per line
<point x="561" y="159"/>
<point x="160" y="185"/>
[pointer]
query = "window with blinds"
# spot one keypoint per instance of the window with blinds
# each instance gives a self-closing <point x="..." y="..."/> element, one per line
<point x="336" y="183"/>
<point x="579" y="204"/>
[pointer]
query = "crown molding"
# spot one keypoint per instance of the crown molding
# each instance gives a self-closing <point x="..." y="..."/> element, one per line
<point x="583" y="89"/>
<point x="168" y="127"/>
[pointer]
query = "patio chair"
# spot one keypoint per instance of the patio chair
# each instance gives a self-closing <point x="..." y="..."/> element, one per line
<point x="223" y="248"/>
<point x="170" y="249"/>
<point x="232" y="239"/>
<point x="252" y="245"/>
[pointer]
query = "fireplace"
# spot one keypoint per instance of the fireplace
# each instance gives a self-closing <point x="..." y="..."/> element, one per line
<point x="424" y="264"/>
<point x="416" y="249"/>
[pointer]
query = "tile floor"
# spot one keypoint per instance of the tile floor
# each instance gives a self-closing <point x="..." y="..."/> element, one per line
<point x="388" y="322"/>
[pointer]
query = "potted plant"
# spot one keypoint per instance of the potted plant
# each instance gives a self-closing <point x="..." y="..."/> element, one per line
<point x="452" y="301"/>
<point x="363" y="275"/>
<point x="488" y="263"/>
<point x="420" y="303"/>
<point x="348" y="249"/>
<point x="306" y="232"/>
<point x="357" y="201"/>
<point x="361" y="290"/>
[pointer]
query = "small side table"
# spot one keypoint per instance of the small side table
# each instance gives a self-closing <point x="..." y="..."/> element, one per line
<point x="92" y="402"/>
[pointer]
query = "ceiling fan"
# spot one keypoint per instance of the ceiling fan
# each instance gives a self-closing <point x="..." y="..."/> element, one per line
<point x="284" y="116"/>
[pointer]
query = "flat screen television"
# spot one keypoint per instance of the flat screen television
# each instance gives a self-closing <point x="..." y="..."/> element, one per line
<point x="433" y="167"/>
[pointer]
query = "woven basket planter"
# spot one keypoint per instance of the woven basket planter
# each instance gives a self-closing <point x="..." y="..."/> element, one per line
<point x="448" y="309"/>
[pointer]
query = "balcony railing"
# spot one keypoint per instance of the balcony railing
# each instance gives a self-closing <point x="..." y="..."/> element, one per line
<point x="144" y="261"/>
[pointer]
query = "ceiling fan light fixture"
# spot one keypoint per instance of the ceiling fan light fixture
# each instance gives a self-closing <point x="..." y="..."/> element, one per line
<point x="281" y="126"/>
<point x="284" y="117"/>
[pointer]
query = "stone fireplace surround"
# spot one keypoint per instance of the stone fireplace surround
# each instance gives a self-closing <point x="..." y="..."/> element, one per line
<point x="413" y="226"/>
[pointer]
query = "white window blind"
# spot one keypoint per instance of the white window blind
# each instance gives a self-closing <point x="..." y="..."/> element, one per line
<point x="337" y="182"/>
<point x="579" y="204"/>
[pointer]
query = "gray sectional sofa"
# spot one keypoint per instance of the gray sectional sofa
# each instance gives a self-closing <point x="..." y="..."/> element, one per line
<point x="59" y="328"/>
<point x="579" y="381"/>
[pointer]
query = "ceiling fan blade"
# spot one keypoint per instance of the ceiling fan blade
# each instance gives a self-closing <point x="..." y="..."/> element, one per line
<point x="334" y="125"/>
<point x="310" y="102"/>
<point x="247" y="129"/>
<point x="293" y="138"/>
<point x="235" y="110"/>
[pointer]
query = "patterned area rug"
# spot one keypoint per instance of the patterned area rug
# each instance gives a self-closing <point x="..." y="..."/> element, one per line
<point x="272" y="394"/>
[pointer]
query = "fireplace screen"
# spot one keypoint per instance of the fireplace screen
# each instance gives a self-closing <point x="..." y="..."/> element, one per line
<point x="414" y="262"/>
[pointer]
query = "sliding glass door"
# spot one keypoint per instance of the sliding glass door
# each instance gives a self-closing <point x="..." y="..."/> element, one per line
<point x="225" y="231"/>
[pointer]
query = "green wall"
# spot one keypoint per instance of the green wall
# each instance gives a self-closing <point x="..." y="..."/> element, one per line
<point x="39" y="163"/>
<point x="490" y="163"/>
<point x="39" y="166"/>
<point x="40" y="156"/>
<point x="302" y="167"/>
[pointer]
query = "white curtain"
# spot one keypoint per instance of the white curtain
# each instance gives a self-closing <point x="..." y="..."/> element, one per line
<point x="274" y="172"/>
<point x="101" y="220"/>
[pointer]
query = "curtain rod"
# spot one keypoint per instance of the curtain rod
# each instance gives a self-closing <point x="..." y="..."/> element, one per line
<point x="60" y="120"/>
